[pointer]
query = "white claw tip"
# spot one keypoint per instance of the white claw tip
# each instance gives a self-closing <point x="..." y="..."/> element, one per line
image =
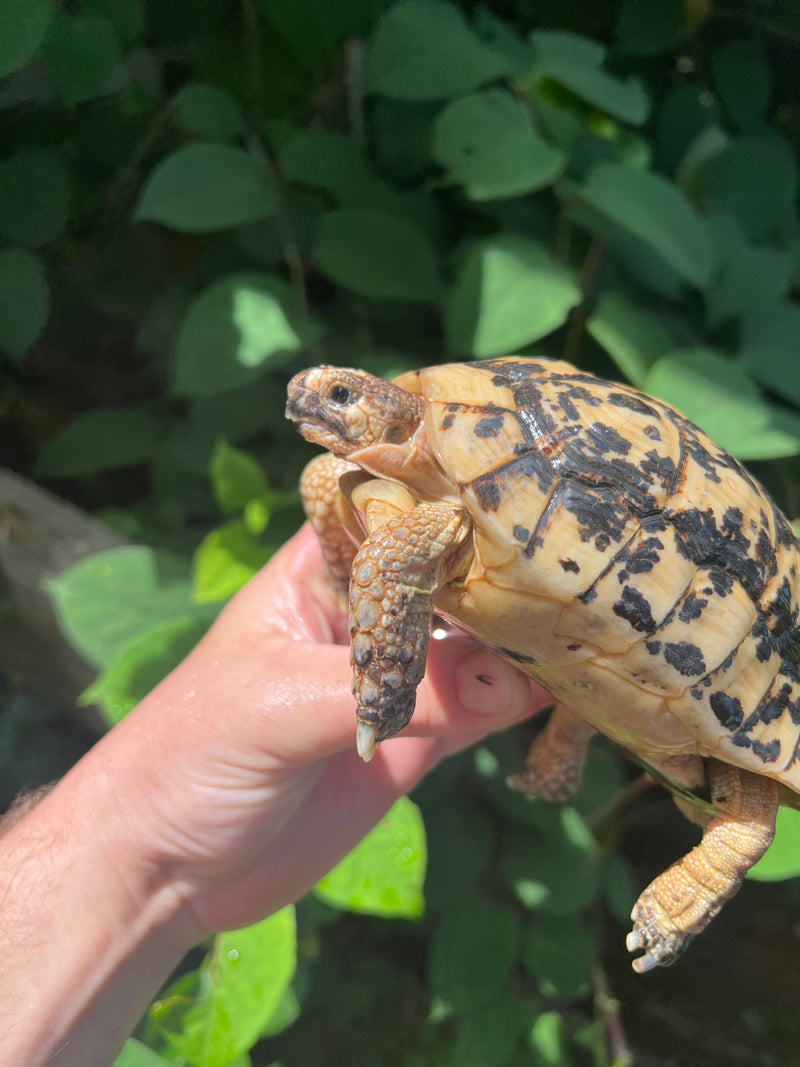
<point x="366" y="740"/>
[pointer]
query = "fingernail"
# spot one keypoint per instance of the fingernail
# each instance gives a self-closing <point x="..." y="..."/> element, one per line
<point x="484" y="683"/>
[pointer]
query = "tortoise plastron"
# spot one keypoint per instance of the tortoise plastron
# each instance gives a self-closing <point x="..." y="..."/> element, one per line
<point x="603" y="544"/>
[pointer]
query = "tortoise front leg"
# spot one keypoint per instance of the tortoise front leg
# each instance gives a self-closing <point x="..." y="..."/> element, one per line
<point x="554" y="767"/>
<point x="683" y="900"/>
<point x="330" y="516"/>
<point x="396" y="574"/>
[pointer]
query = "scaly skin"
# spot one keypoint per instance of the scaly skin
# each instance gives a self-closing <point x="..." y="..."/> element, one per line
<point x="396" y="574"/>
<point x="682" y="901"/>
<point x="554" y="767"/>
<point x="323" y="505"/>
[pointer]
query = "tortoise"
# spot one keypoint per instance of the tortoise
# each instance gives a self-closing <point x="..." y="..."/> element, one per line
<point x="604" y="544"/>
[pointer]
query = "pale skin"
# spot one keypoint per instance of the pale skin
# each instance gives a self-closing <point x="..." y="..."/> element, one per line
<point x="228" y="792"/>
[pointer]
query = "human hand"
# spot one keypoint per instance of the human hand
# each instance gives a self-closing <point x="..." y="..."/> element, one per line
<point x="238" y="777"/>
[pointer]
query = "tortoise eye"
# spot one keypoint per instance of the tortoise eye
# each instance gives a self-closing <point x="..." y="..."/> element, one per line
<point x="340" y="396"/>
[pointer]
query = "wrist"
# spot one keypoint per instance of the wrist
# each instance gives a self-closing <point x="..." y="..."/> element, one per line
<point x="86" y="927"/>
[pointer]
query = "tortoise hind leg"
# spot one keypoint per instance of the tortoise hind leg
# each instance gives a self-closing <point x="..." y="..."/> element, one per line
<point x="554" y="767"/>
<point x="683" y="900"/>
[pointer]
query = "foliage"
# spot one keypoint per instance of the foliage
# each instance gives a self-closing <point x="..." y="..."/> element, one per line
<point x="199" y="198"/>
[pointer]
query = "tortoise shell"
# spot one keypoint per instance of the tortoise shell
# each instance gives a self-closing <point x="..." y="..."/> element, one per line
<point x="623" y="559"/>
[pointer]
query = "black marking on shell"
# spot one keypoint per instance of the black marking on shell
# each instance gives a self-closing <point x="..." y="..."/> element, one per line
<point x="653" y="647"/>
<point x="723" y="550"/>
<point x="632" y="402"/>
<point x="635" y="609"/>
<point x="570" y="565"/>
<point x="521" y="533"/>
<point x="580" y="392"/>
<point x="727" y="709"/>
<point x="686" y="658"/>
<point x="652" y="432"/>
<point x="490" y="426"/>
<point x="691" y="607"/>
<point x="448" y="420"/>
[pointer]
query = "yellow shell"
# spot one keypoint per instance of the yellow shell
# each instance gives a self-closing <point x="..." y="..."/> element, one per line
<point x="623" y="559"/>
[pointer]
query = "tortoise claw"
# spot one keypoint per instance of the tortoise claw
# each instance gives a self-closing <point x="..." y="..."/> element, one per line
<point x="367" y="740"/>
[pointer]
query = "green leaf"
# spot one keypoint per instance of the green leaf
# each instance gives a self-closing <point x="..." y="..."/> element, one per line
<point x="226" y="559"/>
<point x="235" y="477"/>
<point x="141" y="664"/>
<point x="384" y="874"/>
<point x="205" y="187"/>
<point x="576" y="63"/>
<point x="649" y="27"/>
<point x="329" y="161"/>
<point x="488" y="1034"/>
<point x="24" y="24"/>
<point x="753" y="179"/>
<point x="246" y="977"/>
<point x="719" y="395"/>
<point x="24" y="300"/>
<point x="234" y="331"/>
<point x="101" y="440"/>
<point x="558" y="953"/>
<point x="508" y="292"/>
<point x="424" y="50"/>
<point x="557" y="872"/>
<point x="135" y="1054"/>
<point x="655" y="211"/>
<point x="632" y="335"/>
<point x="107" y="600"/>
<point x="473" y="950"/>
<point x="747" y="279"/>
<point x="487" y="144"/>
<point x="208" y="111"/>
<point x="82" y="53"/>
<point x="547" y="1040"/>
<point x="782" y="858"/>
<point x="743" y="82"/>
<point x="35" y="195"/>
<point x="768" y="347"/>
<point x="377" y="255"/>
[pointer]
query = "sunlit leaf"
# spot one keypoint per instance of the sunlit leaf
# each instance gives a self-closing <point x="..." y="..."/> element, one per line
<point x="246" y="977"/>
<point x="225" y="560"/>
<point x="384" y="873"/>
<point x="654" y="210"/>
<point x="782" y="858"/>
<point x="105" y="601"/>
<point x="233" y="329"/>
<point x="142" y="664"/>
<point x="135" y="1054"/>
<point x="632" y="335"/>
<point x="719" y="395"/>
<point x="508" y="292"/>
<point x="487" y="144"/>
<point x="235" y="477"/>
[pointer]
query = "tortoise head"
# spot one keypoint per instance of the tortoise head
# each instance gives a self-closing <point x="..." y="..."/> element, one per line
<point x="347" y="411"/>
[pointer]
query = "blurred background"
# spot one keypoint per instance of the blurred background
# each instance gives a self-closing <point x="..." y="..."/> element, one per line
<point x="199" y="198"/>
